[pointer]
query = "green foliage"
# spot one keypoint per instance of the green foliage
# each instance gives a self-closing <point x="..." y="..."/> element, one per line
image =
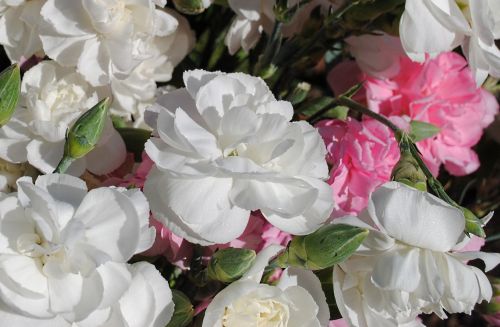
<point x="421" y="130"/>
<point x="183" y="310"/>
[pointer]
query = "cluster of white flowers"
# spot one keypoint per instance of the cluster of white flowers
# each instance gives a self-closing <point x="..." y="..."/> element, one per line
<point x="407" y="265"/>
<point x="53" y="98"/>
<point x="225" y="141"/>
<point x="99" y="48"/>
<point x="430" y="27"/>
<point x="63" y="254"/>
<point x="224" y="150"/>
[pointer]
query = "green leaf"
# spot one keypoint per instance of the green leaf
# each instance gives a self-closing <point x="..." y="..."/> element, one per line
<point x="337" y="112"/>
<point x="10" y="87"/>
<point x="183" y="310"/>
<point x="473" y="224"/>
<point x="352" y="91"/>
<point x="314" y="106"/>
<point x="421" y="130"/>
<point x="328" y="246"/>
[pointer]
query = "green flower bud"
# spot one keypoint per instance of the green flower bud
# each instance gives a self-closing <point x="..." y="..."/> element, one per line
<point x="299" y="93"/>
<point x="183" y="310"/>
<point x="190" y="7"/>
<point x="10" y="87"/>
<point x="408" y="171"/>
<point x="83" y="136"/>
<point x="228" y="265"/>
<point x="329" y="245"/>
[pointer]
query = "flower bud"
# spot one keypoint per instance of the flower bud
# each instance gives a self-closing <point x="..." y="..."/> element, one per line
<point x="228" y="265"/>
<point x="191" y="7"/>
<point x="407" y="171"/>
<point x="329" y="245"/>
<point x="183" y="310"/>
<point x="10" y="87"/>
<point x="299" y="93"/>
<point x="83" y="136"/>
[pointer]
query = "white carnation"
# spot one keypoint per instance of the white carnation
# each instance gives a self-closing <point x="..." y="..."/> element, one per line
<point x="406" y="266"/>
<point x="138" y="91"/>
<point x="146" y="303"/>
<point x="53" y="98"/>
<point x="226" y="147"/>
<point x="19" y="28"/>
<point x="432" y="26"/>
<point x="103" y="38"/>
<point x="63" y="249"/>
<point x="296" y="300"/>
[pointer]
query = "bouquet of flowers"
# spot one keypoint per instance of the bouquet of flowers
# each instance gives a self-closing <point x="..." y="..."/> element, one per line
<point x="239" y="163"/>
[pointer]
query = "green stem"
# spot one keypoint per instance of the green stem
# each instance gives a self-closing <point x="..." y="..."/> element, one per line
<point x="63" y="165"/>
<point x="345" y="101"/>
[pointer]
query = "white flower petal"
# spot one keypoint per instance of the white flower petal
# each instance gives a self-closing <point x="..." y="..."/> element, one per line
<point x="213" y="217"/>
<point x="397" y="270"/>
<point x="416" y="218"/>
<point x="111" y="223"/>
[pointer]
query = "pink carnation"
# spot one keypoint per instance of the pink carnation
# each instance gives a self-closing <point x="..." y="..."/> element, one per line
<point x="362" y="155"/>
<point x="258" y="235"/>
<point x="494" y="319"/>
<point x="177" y="250"/>
<point x="338" y="323"/>
<point x="442" y="91"/>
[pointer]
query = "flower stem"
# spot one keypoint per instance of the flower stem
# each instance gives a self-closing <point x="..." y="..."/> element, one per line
<point x="63" y="165"/>
<point x="345" y="101"/>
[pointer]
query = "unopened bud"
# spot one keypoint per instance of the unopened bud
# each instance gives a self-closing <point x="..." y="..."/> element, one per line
<point x="299" y="93"/>
<point x="191" y="7"/>
<point x="329" y="245"/>
<point x="85" y="133"/>
<point x="83" y="136"/>
<point x="183" y="310"/>
<point x="407" y="171"/>
<point x="228" y="265"/>
<point x="10" y="87"/>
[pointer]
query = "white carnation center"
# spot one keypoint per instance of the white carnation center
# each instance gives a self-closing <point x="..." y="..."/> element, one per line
<point x="249" y="311"/>
<point x="114" y="15"/>
<point x="35" y="246"/>
<point x="63" y="96"/>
